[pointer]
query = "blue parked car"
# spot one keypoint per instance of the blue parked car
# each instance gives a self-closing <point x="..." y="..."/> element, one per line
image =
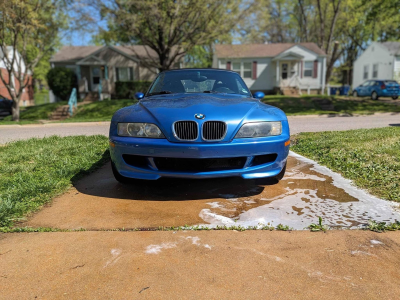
<point x="378" y="88"/>
<point x="199" y="123"/>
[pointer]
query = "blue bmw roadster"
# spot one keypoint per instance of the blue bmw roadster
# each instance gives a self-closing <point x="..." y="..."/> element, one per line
<point x="199" y="123"/>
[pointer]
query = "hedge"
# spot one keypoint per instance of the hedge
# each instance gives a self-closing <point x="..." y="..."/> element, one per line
<point x="126" y="89"/>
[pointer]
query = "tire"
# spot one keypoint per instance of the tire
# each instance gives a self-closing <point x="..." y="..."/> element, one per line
<point x="119" y="177"/>
<point x="395" y="97"/>
<point x="355" y="94"/>
<point x="374" y="96"/>
<point x="281" y="174"/>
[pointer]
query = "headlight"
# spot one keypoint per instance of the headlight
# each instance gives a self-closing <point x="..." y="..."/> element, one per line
<point x="146" y="130"/>
<point x="259" y="129"/>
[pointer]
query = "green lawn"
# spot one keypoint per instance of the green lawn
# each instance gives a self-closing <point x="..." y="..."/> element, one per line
<point x="41" y="97"/>
<point x="99" y="111"/>
<point x="369" y="157"/>
<point x="34" y="171"/>
<point x="316" y="105"/>
<point x="31" y="114"/>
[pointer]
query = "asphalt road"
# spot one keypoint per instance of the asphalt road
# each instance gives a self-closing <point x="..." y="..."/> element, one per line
<point x="297" y="124"/>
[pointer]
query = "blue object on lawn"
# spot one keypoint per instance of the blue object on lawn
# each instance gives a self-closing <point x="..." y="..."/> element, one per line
<point x="344" y="90"/>
<point x="73" y="102"/>
<point x="335" y="90"/>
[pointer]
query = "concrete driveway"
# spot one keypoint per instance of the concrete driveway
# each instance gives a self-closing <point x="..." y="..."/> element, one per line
<point x="307" y="192"/>
<point x="297" y="124"/>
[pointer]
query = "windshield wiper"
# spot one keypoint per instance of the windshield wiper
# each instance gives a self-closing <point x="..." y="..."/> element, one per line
<point x="160" y="93"/>
<point x="211" y="92"/>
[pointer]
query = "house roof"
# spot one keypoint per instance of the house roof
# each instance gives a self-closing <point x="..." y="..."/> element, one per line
<point x="72" y="53"/>
<point x="392" y="47"/>
<point x="261" y="50"/>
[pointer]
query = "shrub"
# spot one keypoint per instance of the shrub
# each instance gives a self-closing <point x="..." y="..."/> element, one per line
<point x="61" y="81"/>
<point x="126" y="89"/>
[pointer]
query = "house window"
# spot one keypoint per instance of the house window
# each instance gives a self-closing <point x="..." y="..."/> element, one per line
<point x="124" y="74"/>
<point x="308" y="68"/>
<point x="236" y="67"/>
<point x="375" y="71"/>
<point x="247" y="72"/>
<point x="365" y="72"/>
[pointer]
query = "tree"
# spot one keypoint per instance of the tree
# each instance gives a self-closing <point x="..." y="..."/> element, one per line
<point x="28" y="31"/>
<point x="171" y="28"/>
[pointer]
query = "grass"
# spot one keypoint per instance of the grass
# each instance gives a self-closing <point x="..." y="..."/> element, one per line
<point x="41" y="97"/>
<point x="318" y="105"/>
<point x="31" y="114"/>
<point x="369" y="157"/>
<point x="99" y="111"/>
<point x="319" y="226"/>
<point x="34" y="171"/>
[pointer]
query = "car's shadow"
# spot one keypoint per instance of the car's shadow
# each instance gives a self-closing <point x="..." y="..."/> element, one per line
<point x="101" y="183"/>
<point x="397" y="125"/>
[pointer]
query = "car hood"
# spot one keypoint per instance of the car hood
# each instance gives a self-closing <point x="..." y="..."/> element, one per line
<point x="164" y="110"/>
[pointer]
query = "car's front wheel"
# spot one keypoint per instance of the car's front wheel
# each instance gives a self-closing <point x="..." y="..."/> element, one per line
<point x="118" y="176"/>
<point x="374" y="96"/>
<point x="395" y="97"/>
<point x="355" y="94"/>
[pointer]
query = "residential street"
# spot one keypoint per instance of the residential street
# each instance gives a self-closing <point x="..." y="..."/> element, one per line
<point x="297" y="124"/>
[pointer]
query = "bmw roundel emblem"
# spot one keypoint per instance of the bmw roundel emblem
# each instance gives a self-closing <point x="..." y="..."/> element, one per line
<point x="199" y="116"/>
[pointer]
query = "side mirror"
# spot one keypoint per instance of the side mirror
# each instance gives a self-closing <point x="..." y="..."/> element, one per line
<point x="139" y="95"/>
<point x="258" y="95"/>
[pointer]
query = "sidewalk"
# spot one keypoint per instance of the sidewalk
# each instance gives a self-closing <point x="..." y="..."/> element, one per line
<point x="200" y="265"/>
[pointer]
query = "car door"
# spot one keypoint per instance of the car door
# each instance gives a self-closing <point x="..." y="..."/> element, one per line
<point x="370" y="87"/>
<point x="362" y="88"/>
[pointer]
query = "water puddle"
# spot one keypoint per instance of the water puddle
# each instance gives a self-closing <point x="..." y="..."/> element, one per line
<point x="307" y="191"/>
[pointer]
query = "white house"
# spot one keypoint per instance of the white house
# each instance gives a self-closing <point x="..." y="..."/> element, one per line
<point x="378" y="61"/>
<point x="19" y="66"/>
<point x="284" y="67"/>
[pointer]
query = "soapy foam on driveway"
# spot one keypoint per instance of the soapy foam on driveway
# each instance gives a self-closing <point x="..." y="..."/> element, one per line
<point x="304" y="199"/>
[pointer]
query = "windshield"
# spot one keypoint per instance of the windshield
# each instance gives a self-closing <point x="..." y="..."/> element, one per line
<point x="198" y="81"/>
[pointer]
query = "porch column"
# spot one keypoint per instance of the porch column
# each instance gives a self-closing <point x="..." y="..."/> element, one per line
<point x="278" y="76"/>
<point x="105" y="72"/>
<point x="78" y="71"/>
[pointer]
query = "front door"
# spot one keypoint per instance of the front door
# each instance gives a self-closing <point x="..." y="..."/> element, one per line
<point x="96" y="78"/>
<point x="285" y="70"/>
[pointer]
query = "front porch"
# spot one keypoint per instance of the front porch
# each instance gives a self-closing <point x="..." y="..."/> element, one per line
<point x="294" y="76"/>
<point x="93" y="79"/>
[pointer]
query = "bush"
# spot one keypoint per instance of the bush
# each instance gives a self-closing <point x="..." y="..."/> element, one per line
<point x="126" y="89"/>
<point x="61" y="81"/>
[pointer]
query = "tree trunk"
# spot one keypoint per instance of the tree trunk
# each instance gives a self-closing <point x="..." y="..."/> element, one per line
<point x="331" y="62"/>
<point x="15" y="109"/>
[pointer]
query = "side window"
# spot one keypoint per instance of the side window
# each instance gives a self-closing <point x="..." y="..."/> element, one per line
<point x="365" y="76"/>
<point x="375" y="71"/>
<point x="366" y="83"/>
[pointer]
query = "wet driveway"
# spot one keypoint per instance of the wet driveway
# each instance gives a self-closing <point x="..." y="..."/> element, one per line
<point x="306" y="192"/>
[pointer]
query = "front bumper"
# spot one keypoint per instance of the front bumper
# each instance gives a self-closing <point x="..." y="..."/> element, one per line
<point x="151" y="148"/>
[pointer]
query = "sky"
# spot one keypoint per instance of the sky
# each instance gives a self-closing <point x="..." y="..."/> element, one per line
<point x="83" y="37"/>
